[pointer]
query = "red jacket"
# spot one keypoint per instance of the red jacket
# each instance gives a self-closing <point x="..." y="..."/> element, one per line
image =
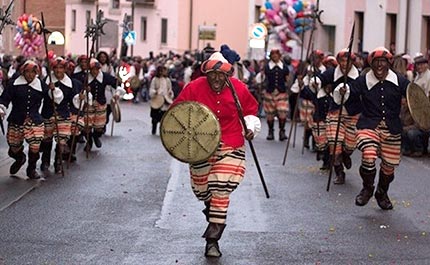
<point x="223" y="106"/>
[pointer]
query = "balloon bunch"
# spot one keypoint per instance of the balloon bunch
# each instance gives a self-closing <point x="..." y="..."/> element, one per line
<point x="27" y="38"/>
<point x="287" y="19"/>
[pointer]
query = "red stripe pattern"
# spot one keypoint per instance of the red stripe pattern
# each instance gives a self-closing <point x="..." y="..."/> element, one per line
<point x="215" y="179"/>
<point x="275" y="103"/>
<point x="64" y="127"/>
<point x="379" y="142"/>
<point x="346" y="140"/>
<point x="30" y="132"/>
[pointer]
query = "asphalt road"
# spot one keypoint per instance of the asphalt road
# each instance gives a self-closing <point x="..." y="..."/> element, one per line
<point x="131" y="203"/>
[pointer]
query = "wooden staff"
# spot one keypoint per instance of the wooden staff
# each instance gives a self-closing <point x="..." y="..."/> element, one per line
<point x="242" y="119"/>
<point x="48" y="68"/>
<point x="345" y="80"/>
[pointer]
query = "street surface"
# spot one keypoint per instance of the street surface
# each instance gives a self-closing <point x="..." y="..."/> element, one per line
<point x="131" y="203"/>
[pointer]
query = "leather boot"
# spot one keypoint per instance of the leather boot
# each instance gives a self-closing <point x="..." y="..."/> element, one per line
<point x="96" y="137"/>
<point x="326" y="160"/>
<point x="45" y="149"/>
<point x="71" y="149"/>
<point x="19" y="160"/>
<point x="154" y="127"/>
<point x="31" y="167"/>
<point x="307" y="135"/>
<point x="89" y="144"/>
<point x="58" y="166"/>
<point x="206" y="210"/>
<point x="346" y="159"/>
<point x="338" y="169"/>
<point x="381" y="195"/>
<point x="270" y="135"/>
<point x="212" y="234"/>
<point x="282" y="135"/>
<point x="366" y="192"/>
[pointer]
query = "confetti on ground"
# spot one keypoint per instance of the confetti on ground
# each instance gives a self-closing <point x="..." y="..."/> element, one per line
<point x="332" y="229"/>
<point x="423" y="233"/>
<point x="383" y="226"/>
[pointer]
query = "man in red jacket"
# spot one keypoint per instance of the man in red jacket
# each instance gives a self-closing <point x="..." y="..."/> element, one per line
<point x="209" y="183"/>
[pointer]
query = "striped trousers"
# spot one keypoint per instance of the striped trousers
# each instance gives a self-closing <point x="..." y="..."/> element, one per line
<point x="30" y="132"/>
<point x="64" y="127"/>
<point x="346" y="140"/>
<point x="215" y="179"/>
<point x="275" y="104"/>
<point x="379" y="142"/>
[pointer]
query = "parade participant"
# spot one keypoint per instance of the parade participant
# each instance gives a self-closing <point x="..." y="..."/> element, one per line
<point x="70" y="89"/>
<point x="97" y="82"/>
<point x="161" y="94"/>
<point x="25" y="122"/>
<point x="106" y="67"/>
<point x="321" y="99"/>
<point x="423" y="80"/>
<point x="379" y="127"/>
<point x="80" y="71"/>
<point x="276" y="97"/>
<point x="209" y="183"/>
<point x="346" y="143"/>
<point x="307" y="107"/>
<point x="330" y="62"/>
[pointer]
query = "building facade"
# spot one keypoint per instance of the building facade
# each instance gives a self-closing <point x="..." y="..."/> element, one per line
<point x="178" y="25"/>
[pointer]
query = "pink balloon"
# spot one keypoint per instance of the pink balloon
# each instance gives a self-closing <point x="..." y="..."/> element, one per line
<point x="282" y="36"/>
<point x="277" y="19"/>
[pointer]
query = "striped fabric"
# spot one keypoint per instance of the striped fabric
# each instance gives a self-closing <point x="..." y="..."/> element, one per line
<point x="307" y="109"/>
<point x="64" y="127"/>
<point x="379" y="142"/>
<point x="275" y="103"/>
<point x="217" y="178"/>
<point x="31" y="132"/>
<point x="319" y="131"/>
<point x="346" y="140"/>
<point x="76" y="128"/>
<point x="96" y="116"/>
<point x="215" y="65"/>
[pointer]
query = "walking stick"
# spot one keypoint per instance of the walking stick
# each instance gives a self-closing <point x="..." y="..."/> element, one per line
<point x="116" y="86"/>
<point x="345" y="79"/>
<point x="293" y="124"/>
<point x="74" y="134"/>
<point x="48" y="68"/>
<point x="242" y="119"/>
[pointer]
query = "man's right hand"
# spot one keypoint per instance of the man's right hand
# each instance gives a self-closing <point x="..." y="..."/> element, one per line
<point x="2" y="113"/>
<point x="342" y="91"/>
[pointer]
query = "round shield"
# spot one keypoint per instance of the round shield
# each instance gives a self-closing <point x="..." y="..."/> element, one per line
<point x="116" y="111"/>
<point x="419" y="106"/>
<point x="156" y="101"/>
<point x="135" y="83"/>
<point x="190" y="132"/>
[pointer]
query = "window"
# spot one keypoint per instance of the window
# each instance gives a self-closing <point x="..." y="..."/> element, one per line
<point x="164" y="31"/>
<point x="143" y="24"/>
<point x="88" y="17"/>
<point x="73" y="20"/>
<point x="115" y="4"/>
